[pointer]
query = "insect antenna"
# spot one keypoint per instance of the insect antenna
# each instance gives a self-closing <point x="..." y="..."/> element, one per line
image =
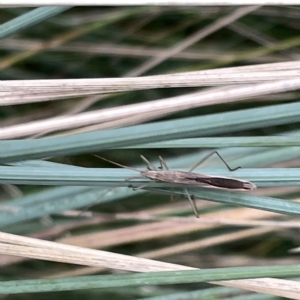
<point x="117" y="164"/>
<point x="114" y="187"/>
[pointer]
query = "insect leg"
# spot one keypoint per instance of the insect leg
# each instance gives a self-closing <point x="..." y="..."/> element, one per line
<point x="148" y="163"/>
<point x="87" y="207"/>
<point x="163" y="164"/>
<point x="193" y="204"/>
<point x="104" y="193"/>
<point x="141" y="186"/>
<point x="208" y="156"/>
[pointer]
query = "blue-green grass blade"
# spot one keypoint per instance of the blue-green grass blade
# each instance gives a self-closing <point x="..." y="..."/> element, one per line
<point x="112" y="176"/>
<point x="50" y="173"/>
<point x="75" y="199"/>
<point x="220" y="142"/>
<point x="58" y="199"/>
<point x="14" y="150"/>
<point x="245" y="199"/>
<point x="31" y="18"/>
<point x="150" y="278"/>
<point x="82" y="196"/>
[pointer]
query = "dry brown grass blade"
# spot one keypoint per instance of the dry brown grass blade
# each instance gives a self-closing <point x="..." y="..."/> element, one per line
<point x="33" y="248"/>
<point x="159" y="229"/>
<point x="159" y="107"/>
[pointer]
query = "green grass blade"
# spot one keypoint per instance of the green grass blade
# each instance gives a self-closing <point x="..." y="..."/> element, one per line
<point x="31" y="18"/>
<point x="151" y="278"/>
<point x="220" y="142"/>
<point x="13" y="150"/>
<point x="111" y="177"/>
<point x="246" y="200"/>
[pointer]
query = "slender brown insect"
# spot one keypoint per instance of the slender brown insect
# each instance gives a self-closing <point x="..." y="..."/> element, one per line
<point x="164" y="174"/>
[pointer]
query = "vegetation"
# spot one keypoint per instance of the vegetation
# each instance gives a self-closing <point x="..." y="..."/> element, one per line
<point x="175" y="82"/>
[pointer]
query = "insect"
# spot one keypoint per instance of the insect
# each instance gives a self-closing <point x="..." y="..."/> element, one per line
<point x="164" y="174"/>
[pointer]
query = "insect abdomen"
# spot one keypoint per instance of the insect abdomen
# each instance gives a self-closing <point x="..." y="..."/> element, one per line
<point x="228" y="183"/>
